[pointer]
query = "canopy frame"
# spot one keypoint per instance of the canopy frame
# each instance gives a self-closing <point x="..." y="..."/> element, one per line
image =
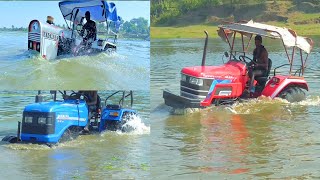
<point x="73" y="16"/>
<point x="225" y="29"/>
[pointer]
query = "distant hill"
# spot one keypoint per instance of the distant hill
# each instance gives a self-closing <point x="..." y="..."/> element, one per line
<point x="212" y="12"/>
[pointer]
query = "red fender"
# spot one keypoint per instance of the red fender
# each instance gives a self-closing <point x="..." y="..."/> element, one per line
<point x="278" y="83"/>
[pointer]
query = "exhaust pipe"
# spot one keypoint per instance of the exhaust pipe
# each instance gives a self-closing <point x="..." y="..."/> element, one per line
<point x="205" y="49"/>
<point x="19" y="131"/>
<point x="39" y="97"/>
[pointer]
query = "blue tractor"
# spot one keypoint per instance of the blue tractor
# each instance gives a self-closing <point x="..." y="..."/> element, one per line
<point x="51" y="122"/>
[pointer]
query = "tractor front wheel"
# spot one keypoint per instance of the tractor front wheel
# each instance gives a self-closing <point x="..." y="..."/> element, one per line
<point x="66" y="136"/>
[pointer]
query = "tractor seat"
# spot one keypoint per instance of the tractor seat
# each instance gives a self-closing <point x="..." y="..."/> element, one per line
<point x="113" y="106"/>
<point x="264" y="79"/>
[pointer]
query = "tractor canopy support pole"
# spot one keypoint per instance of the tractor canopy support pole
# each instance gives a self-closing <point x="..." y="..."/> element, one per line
<point x="293" y="49"/>
<point x="226" y="36"/>
<point x="285" y="48"/>
<point x="244" y="53"/>
<point x="302" y="63"/>
<point x="234" y="37"/>
<point x="249" y="43"/>
<point x="305" y="61"/>
<point x="203" y="63"/>
<point x="123" y="96"/>
<point x="131" y="98"/>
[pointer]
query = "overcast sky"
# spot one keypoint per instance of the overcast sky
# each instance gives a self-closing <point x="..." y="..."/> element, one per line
<point x="20" y="13"/>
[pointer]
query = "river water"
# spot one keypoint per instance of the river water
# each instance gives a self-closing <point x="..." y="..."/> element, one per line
<point x="101" y="156"/>
<point x="261" y="138"/>
<point x="128" y="68"/>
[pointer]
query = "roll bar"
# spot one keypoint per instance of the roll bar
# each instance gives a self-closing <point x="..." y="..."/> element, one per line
<point x="124" y="95"/>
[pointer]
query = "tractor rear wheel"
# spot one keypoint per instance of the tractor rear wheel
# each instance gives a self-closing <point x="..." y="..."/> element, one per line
<point x="126" y="118"/>
<point x="293" y="94"/>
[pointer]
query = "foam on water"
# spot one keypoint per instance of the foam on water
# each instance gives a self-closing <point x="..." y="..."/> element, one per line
<point x="27" y="147"/>
<point x="310" y="101"/>
<point x="252" y="106"/>
<point x="135" y="126"/>
<point x="183" y="111"/>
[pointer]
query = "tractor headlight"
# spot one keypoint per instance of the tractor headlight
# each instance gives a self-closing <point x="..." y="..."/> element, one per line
<point x="196" y="81"/>
<point x="183" y="77"/>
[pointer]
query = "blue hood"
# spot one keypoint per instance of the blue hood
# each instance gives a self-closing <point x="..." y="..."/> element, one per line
<point x="55" y="106"/>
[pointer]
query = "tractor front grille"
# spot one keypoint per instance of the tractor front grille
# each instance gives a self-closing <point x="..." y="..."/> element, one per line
<point x="194" y="91"/>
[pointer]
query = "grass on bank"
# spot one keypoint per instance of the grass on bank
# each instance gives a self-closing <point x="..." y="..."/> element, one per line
<point x="196" y="31"/>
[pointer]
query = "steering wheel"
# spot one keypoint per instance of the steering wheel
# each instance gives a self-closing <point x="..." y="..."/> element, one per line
<point x="243" y="58"/>
<point x="75" y="94"/>
<point x="79" y="28"/>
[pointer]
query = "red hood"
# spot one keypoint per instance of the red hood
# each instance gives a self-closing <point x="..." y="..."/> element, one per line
<point x="230" y="70"/>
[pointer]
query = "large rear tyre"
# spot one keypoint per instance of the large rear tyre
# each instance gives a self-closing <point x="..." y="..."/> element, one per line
<point x="125" y="119"/>
<point x="293" y="94"/>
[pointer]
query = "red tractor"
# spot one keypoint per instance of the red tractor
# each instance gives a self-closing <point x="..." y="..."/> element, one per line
<point x="202" y="86"/>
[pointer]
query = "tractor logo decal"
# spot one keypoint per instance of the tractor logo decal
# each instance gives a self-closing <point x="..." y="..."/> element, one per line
<point x="48" y="35"/>
<point x="66" y="117"/>
<point x="213" y="85"/>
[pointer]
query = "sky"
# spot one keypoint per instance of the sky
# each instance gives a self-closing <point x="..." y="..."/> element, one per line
<point x="20" y="13"/>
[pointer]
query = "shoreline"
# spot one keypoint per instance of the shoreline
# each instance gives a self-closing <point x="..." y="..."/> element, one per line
<point x="196" y="31"/>
<point x="122" y="36"/>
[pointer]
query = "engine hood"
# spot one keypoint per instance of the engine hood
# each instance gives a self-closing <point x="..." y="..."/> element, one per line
<point x="54" y="106"/>
<point x="229" y="70"/>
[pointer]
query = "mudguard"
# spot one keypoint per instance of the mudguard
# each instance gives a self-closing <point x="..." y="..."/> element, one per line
<point x="113" y="114"/>
<point x="278" y="83"/>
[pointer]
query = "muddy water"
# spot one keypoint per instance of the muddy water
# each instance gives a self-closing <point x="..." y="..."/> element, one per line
<point x="99" y="156"/>
<point x="128" y="68"/>
<point x="261" y="138"/>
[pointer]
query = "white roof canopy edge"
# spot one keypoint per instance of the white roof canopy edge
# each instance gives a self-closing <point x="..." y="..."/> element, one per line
<point x="289" y="37"/>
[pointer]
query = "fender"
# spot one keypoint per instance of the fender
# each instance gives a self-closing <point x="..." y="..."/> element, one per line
<point x="278" y="83"/>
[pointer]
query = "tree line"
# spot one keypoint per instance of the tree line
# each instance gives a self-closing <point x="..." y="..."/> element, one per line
<point x="164" y="10"/>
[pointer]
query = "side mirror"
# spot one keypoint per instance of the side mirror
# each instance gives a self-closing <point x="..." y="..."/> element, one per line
<point x="226" y="54"/>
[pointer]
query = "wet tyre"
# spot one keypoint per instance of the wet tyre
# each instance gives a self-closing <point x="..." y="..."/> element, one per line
<point x="125" y="118"/>
<point x="10" y="139"/>
<point x="66" y="136"/>
<point x="293" y="94"/>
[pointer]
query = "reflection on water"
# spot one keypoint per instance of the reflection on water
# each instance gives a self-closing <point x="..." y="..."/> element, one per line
<point x="259" y="138"/>
<point x="128" y="68"/>
<point x="110" y="155"/>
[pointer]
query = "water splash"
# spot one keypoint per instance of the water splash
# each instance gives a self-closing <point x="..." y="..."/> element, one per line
<point x="257" y="105"/>
<point x="310" y="101"/>
<point x="183" y="111"/>
<point x="134" y="126"/>
<point x="27" y="146"/>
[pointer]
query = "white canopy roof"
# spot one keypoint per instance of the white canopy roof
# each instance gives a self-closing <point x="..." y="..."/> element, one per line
<point x="288" y="36"/>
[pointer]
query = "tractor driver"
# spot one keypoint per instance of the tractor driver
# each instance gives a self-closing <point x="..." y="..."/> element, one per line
<point x="259" y="66"/>
<point x="90" y="28"/>
<point x="92" y="102"/>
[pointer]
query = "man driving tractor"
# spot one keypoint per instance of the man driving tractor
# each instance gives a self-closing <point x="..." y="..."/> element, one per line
<point x="259" y="65"/>
<point x="90" y="28"/>
<point x="89" y="34"/>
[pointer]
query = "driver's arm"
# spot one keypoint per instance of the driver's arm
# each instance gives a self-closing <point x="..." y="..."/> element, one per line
<point x="264" y="59"/>
<point x="83" y="29"/>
